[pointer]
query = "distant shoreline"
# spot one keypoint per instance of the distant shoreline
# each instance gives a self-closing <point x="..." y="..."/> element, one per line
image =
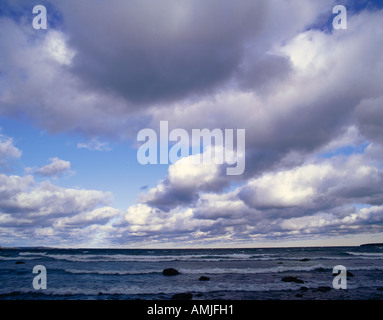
<point x="372" y="244"/>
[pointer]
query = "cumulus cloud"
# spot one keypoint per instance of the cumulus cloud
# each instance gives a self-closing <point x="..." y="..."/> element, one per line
<point x="184" y="181"/>
<point x="29" y="209"/>
<point x="22" y="196"/>
<point x="144" y="222"/>
<point x="314" y="198"/>
<point x="57" y="167"/>
<point x="99" y="216"/>
<point x="328" y="183"/>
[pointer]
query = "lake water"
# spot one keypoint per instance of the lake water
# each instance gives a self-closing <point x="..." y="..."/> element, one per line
<point x="234" y="274"/>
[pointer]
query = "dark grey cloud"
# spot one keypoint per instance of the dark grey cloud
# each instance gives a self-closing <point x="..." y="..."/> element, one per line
<point x="156" y="52"/>
<point x="118" y="60"/>
<point x="370" y="116"/>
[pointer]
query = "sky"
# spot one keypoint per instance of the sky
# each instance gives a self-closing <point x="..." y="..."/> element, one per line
<point x="74" y="96"/>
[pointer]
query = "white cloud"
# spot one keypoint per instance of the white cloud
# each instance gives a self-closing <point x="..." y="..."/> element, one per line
<point x="24" y="198"/>
<point x="94" y="145"/>
<point x="57" y="48"/>
<point x="328" y="182"/>
<point x="10" y="185"/>
<point x="289" y="188"/>
<point x="7" y="151"/>
<point x="143" y="221"/>
<point x="50" y="214"/>
<point x="99" y="216"/>
<point x="184" y="181"/>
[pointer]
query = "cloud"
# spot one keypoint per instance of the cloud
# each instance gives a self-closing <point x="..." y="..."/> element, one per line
<point x="306" y="111"/>
<point x="370" y="116"/>
<point x="321" y="197"/>
<point x="166" y="51"/>
<point x="365" y="219"/>
<point x="7" y="150"/>
<point x="84" y="219"/>
<point x="25" y="198"/>
<point x="309" y="98"/>
<point x="36" y="82"/>
<point x="94" y="145"/>
<point x="144" y="222"/>
<point x="158" y="54"/>
<point x="56" y="168"/>
<point x="184" y="181"/>
<point x="314" y="185"/>
<point x="30" y="210"/>
<point x="13" y="184"/>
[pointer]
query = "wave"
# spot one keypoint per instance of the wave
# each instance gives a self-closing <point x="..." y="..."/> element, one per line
<point x="197" y="271"/>
<point x="157" y="258"/>
<point x="220" y="271"/>
<point x="86" y="257"/>
<point x="156" y="289"/>
<point x="367" y="255"/>
<point x="170" y="258"/>
<point x="32" y="253"/>
<point x="170" y="289"/>
<point x="112" y="272"/>
<point x="17" y="258"/>
<point x="278" y="269"/>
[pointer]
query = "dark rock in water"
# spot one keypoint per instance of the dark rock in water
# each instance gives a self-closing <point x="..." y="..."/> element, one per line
<point x="199" y="295"/>
<point x="182" y="296"/>
<point x="204" y="278"/>
<point x="305" y="259"/>
<point x="323" y="289"/>
<point x="379" y="288"/>
<point x="292" y="279"/>
<point x="304" y="288"/>
<point x="280" y="262"/>
<point x="349" y="274"/>
<point x="19" y="262"/>
<point x="299" y="295"/>
<point x="170" y="272"/>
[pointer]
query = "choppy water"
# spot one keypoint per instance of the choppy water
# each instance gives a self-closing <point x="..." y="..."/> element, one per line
<point x="234" y="273"/>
